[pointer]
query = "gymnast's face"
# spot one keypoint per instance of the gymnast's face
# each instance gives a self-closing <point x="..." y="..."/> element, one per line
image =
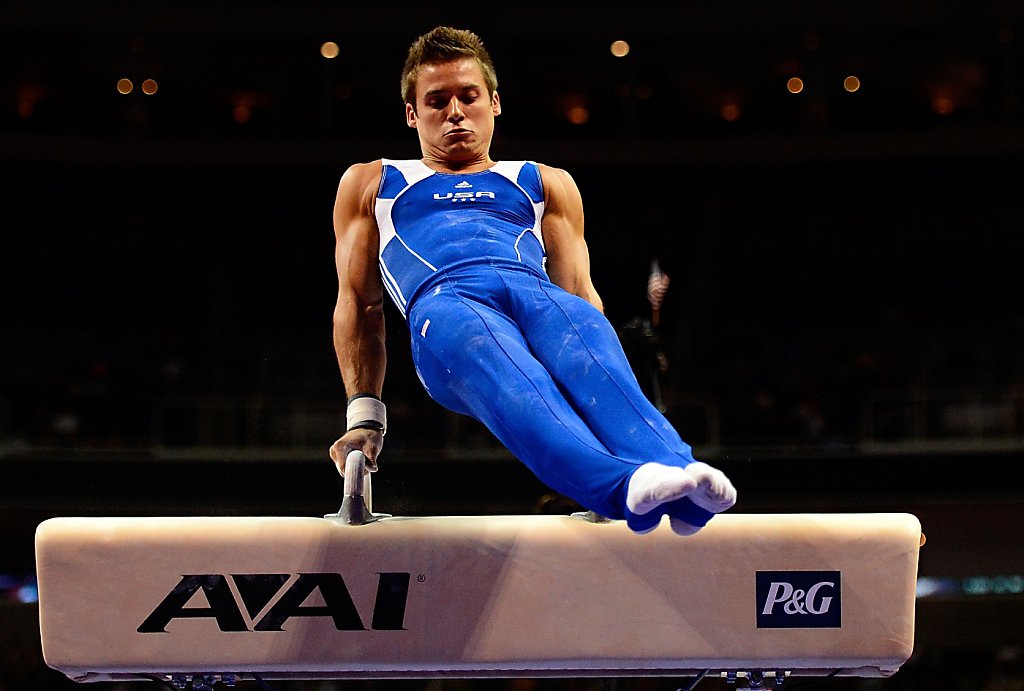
<point x="454" y="113"/>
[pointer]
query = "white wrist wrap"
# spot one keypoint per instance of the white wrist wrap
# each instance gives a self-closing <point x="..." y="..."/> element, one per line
<point x="366" y="409"/>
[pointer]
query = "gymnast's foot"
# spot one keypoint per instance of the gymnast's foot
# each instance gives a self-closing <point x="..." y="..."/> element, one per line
<point x="654" y="484"/>
<point x="714" y="491"/>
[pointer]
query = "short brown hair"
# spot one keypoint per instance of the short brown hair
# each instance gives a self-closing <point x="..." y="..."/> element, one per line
<point x="444" y="44"/>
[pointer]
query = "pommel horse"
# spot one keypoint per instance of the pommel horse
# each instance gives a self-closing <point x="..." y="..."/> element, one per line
<point x="754" y="598"/>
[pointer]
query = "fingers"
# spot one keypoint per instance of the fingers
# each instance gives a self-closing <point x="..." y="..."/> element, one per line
<point x="367" y="441"/>
<point x="338" y="452"/>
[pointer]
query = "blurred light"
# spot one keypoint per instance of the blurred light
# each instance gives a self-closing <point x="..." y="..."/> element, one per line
<point x="26" y="108"/>
<point x="329" y="50"/>
<point x="971" y="586"/>
<point x="577" y="115"/>
<point x="620" y="49"/>
<point x="795" y="85"/>
<point x="343" y="90"/>
<point x="18" y="588"/>
<point x="245" y="103"/>
<point x="994" y="585"/>
<point x="125" y="86"/>
<point x="644" y="91"/>
<point x="811" y="42"/>
<point x="28" y="594"/>
<point x="943" y="104"/>
<point x="851" y="84"/>
<point x="730" y="111"/>
<point x="622" y="89"/>
<point x="137" y="45"/>
<point x="149" y="87"/>
<point x="931" y="587"/>
<point x="574" y="108"/>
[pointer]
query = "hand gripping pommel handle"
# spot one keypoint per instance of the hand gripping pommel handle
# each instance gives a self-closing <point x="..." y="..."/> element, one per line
<point x="356" y="504"/>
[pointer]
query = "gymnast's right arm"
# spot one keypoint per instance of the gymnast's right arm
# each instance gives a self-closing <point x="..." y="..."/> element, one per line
<point x="359" y="314"/>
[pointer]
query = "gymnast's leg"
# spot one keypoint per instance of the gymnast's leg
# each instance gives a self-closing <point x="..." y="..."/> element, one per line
<point x="579" y="347"/>
<point x="472" y="359"/>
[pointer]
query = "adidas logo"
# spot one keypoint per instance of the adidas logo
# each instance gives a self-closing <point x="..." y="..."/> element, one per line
<point x="462" y="185"/>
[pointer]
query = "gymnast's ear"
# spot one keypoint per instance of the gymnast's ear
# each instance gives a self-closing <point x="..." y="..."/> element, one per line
<point x="410" y="115"/>
<point x="495" y="104"/>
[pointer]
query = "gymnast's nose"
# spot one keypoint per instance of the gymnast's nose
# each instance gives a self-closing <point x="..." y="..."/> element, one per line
<point x="455" y="113"/>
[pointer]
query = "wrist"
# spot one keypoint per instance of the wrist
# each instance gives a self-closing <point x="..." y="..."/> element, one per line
<point x="366" y="411"/>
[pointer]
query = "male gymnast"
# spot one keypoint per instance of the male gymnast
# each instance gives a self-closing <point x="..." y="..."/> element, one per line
<point x="487" y="263"/>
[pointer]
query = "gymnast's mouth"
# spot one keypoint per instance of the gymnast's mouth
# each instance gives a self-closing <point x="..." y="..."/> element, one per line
<point x="457" y="131"/>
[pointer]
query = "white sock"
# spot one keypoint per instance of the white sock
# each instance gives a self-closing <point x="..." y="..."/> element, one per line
<point x="654" y="484"/>
<point x="714" y="492"/>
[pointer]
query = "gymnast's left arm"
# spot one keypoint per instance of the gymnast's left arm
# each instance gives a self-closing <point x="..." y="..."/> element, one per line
<point x="568" y="261"/>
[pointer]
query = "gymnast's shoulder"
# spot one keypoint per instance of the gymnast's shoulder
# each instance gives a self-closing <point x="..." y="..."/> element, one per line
<point x="359" y="175"/>
<point x="556" y="181"/>
<point x="358" y="184"/>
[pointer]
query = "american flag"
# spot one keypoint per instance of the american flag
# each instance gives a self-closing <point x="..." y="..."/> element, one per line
<point x="657" y="285"/>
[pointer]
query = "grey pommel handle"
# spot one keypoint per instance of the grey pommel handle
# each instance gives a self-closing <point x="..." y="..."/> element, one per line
<point x="356" y="503"/>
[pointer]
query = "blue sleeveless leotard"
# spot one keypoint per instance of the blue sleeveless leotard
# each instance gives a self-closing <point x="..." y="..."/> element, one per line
<point x="462" y="257"/>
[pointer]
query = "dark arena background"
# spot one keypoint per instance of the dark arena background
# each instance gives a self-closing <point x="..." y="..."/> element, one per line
<point x="834" y="190"/>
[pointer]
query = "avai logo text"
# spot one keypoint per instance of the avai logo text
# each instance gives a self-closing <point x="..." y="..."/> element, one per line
<point x="266" y="601"/>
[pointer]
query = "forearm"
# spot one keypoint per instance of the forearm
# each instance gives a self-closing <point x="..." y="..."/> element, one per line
<point x="359" y="343"/>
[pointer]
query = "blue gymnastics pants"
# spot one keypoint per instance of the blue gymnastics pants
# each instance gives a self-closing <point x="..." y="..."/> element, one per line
<point x="544" y="371"/>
